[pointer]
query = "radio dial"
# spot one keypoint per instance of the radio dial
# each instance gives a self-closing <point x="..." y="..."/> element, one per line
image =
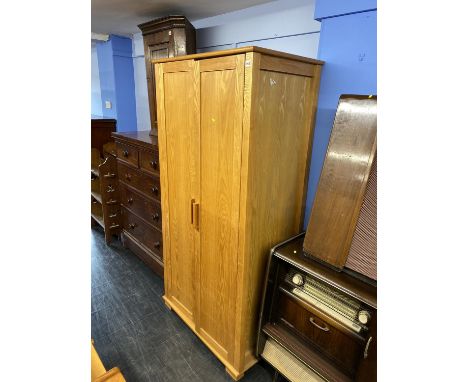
<point x="364" y="317"/>
<point x="298" y="279"/>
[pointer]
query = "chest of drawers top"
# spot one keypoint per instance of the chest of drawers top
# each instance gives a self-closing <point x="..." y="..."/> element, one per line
<point x="138" y="149"/>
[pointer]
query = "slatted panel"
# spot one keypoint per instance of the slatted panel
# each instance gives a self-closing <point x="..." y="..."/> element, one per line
<point x="363" y="252"/>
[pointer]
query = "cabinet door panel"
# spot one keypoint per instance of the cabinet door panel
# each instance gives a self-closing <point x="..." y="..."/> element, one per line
<point x="154" y="51"/>
<point x="181" y="130"/>
<point x="221" y="107"/>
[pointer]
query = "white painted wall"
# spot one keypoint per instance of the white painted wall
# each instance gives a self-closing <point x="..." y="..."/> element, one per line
<point x="96" y="104"/>
<point x="141" y="88"/>
<point x="285" y="25"/>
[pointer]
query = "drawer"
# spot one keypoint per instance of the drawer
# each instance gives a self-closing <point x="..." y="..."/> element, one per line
<point x="127" y="153"/>
<point x="112" y="215"/>
<point x="342" y="349"/>
<point x="96" y="209"/>
<point x="147" y="235"/>
<point x="149" y="161"/>
<point x="148" y="185"/>
<point x="148" y="209"/>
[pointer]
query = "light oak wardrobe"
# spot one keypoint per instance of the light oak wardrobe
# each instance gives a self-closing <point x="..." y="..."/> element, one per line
<point x="235" y="130"/>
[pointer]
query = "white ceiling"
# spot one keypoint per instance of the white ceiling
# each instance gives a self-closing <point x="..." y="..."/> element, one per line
<point x="122" y="16"/>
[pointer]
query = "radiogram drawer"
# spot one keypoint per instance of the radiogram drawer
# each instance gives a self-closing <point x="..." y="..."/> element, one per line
<point x="149" y="185"/>
<point x="341" y="348"/>
<point x="147" y="235"/>
<point x="148" y="209"/>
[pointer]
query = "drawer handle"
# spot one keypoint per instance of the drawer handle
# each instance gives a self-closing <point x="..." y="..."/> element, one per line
<point x="113" y="216"/>
<point x="130" y="200"/>
<point x="110" y="188"/>
<point x="112" y="201"/>
<point x="367" y="347"/>
<point x="154" y="164"/>
<point x="155" y="190"/>
<point x="128" y="176"/>
<point x="325" y="328"/>
<point x="132" y="225"/>
<point x="109" y="175"/>
<point x="114" y="226"/>
<point x="125" y="153"/>
<point x="157" y="245"/>
<point x="155" y="216"/>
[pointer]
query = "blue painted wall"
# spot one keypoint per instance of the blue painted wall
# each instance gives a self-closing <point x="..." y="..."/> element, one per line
<point x="117" y="81"/>
<point x="348" y="45"/>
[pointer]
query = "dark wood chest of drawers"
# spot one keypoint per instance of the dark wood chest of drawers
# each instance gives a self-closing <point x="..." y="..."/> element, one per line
<point x="138" y="169"/>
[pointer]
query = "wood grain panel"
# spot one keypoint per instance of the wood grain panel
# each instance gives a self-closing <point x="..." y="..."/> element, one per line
<point x="246" y="50"/>
<point x="340" y="191"/>
<point x="279" y="149"/>
<point x="181" y="150"/>
<point x="283" y="65"/>
<point x="221" y="94"/>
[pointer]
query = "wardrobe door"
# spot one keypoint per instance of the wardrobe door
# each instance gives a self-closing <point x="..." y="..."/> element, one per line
<point x="221" y="110"/>
<point x="179" y="148"/>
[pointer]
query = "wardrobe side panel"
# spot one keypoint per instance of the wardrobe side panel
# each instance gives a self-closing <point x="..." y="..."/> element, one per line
<point x="278" y="159"/>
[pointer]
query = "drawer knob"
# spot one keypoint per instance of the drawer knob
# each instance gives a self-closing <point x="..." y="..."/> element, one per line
<point x="130" y="200"/>
<point x="157" y="245"/>
<point x="128" y="176"/>
<point x="154" y="164"/>
<point x="125" y="153"/>
<point x="132" y="225"/>
<point x="325" y="328"/>
<point x="155" y="190"/>
<point x="155" y="216"/>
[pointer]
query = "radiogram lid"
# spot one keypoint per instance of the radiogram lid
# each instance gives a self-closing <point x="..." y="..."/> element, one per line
<point x="291" y="252"/>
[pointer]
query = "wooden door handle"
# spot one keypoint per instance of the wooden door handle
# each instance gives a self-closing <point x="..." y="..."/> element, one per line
<point x="195" y="214"/>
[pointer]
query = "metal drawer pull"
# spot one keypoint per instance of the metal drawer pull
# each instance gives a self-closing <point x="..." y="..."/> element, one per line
<point x="112" y="201"/>
<point x="109" y="175"/>
<point x="155" y="216"/>
<point x="130" y="200"/>
<point x="157" y="245"/>
<point x="132" y="225"/>
<point x="114" y="226"/>
<point x="113" y="216"/>
<point x="367" y="347"/>
<point x="154" y="164"/>
<point x="324" y="328"/>
<point x="110" y="188"/>
<point x="128" y="176"/>
<point x="125" y="153"/>
<point x="155" y="190"/>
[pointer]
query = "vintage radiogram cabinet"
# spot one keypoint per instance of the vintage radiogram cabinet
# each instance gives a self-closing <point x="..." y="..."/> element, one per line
<point x="317" y="324"/>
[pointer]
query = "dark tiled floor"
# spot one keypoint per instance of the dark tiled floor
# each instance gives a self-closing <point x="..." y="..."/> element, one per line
<point x="133" y="329"/>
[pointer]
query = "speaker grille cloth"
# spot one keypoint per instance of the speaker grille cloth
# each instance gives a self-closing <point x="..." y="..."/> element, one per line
<point x="287" y="364"/>
<point x="362" y="256"/>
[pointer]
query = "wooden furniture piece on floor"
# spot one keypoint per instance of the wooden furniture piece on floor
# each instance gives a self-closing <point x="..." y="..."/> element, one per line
<point x="317" y="324"/>
<point x="165" y="37"/>
<point x="342" y="229"/>
<point x="101" y="130"/>
<point x="235" y="130"/>
<point x="105" y="209"/>
<point x="138" y="173"/>
<point x="98" y="371"/>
